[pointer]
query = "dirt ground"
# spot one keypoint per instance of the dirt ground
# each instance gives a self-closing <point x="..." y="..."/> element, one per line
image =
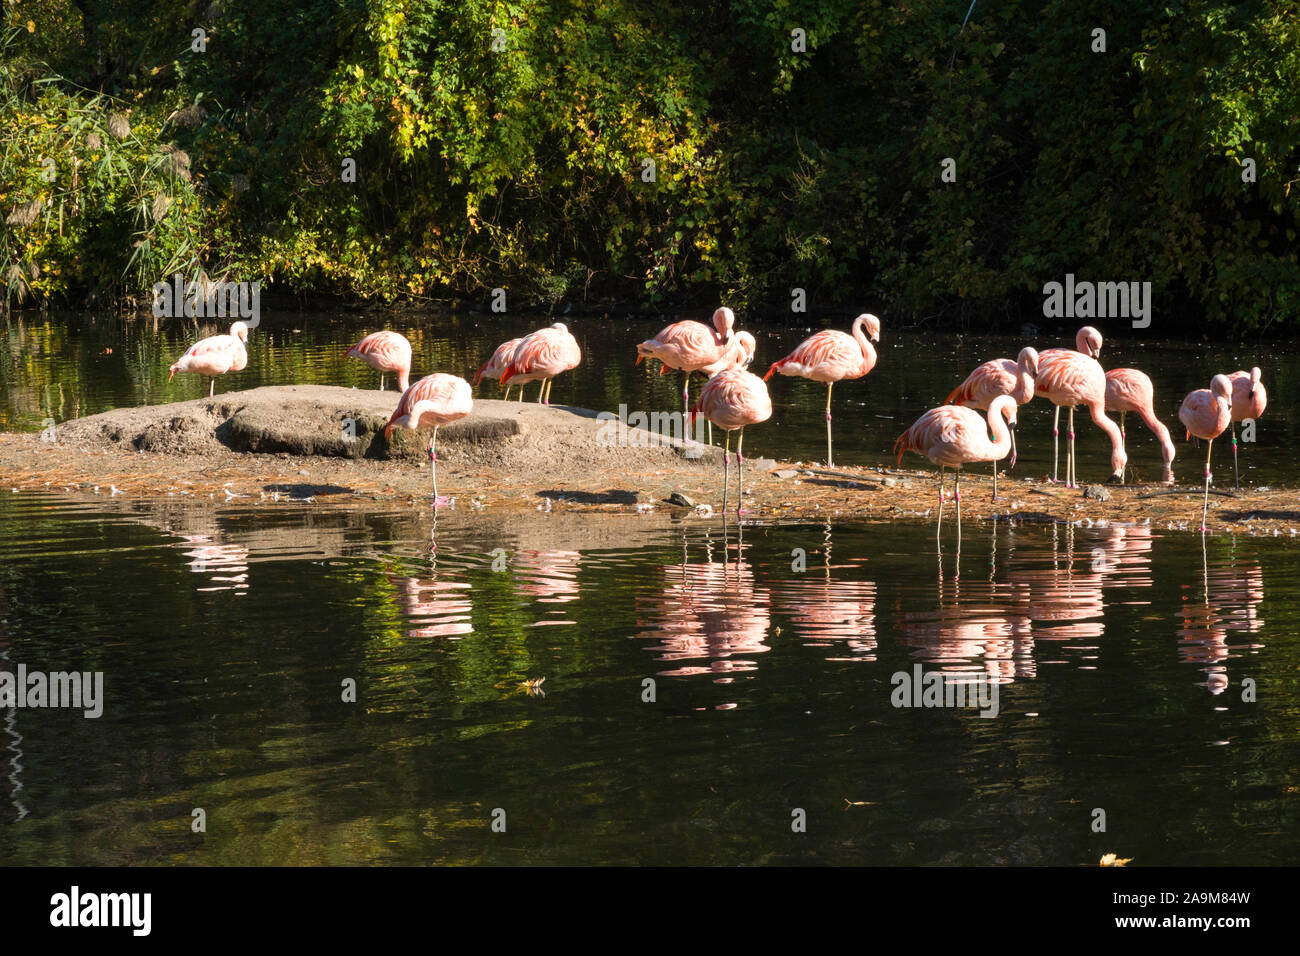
<point x="325" y="444"/>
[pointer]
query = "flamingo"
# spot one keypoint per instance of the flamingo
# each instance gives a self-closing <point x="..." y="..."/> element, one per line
<point x="496" y="365"/>
<point x="994" y="378"/>
<point x="1088" y="341"/>
<point x="952" y="435"/>
<point x="1249" y="399"/>
<point x="740" y="354"/>
<point x="690" y="346"/>
<point x="1206" y="412"/>
<point x="731" y="400"/>
<point x="1130" y="390"/>
<point x="385" y="352"/>
<point x="543" y="355"/>
<point x="1067" y="377"/>
<point x="433" y="401"/>
<point x="215" y="355"/>
<point x="830" y="356"/>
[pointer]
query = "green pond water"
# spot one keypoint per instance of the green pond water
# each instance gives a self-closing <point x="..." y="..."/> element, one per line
<point x="1149" y="674"/>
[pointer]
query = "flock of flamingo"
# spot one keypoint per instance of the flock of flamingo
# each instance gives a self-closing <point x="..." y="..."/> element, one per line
<point x="952" y="435"/>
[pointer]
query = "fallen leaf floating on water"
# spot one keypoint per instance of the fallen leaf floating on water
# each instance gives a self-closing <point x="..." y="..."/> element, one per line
<point x="533" y="687"/>
<point x="1110" y="859"/>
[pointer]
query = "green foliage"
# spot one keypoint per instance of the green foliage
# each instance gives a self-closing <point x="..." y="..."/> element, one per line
<point x="504" y="143"/>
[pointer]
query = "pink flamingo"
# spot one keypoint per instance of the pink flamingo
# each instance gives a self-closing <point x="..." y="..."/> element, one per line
<point x="731" y="400"/>
<point x="994" y="378"/>
<point x="432" y="402"/>
<point x="1206" y="412"/>
<point x="543" y="355"/>
<point x="1249" y="399"/>
<point x="740" y="354"/>
<point x="830" y="356"/>
<point x="497" y="364"/>
<point x="690" y="346"/>
<point x="385" y="352"/>
<point x="953" y="435"/>
<point x="1130" y="390"/>
<point x="1067" y="377"/>
<point x="215" y="355"/>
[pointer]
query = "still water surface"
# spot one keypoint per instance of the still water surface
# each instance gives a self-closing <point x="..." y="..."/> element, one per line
<point x="225" y="633"/>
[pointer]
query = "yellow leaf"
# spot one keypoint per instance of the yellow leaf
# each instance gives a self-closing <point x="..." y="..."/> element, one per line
<point x="1110" y="859"/>
<point x="31" y="27"/>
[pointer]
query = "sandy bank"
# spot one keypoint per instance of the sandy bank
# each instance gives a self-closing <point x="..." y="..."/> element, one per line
<point x="324" y="443"/>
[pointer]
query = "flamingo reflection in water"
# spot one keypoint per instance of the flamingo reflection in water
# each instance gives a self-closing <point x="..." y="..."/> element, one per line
<point x="1230" y="593"/>
<point x="225" y="566"/>
<point x="827" y="611"/>
<point x="550" y="577"/>
<point x="710" y="612"/>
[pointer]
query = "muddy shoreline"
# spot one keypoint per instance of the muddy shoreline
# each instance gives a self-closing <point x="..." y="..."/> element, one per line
<point x="324" y="446"/>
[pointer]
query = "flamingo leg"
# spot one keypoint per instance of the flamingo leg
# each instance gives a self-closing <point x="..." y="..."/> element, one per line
<point x="507" y="395"/>
<point x="726" y="476"/>
<point x="433" y="462"/>
<point x="1071" y="480"/>
<point x="1056" y="441"/>
<point x="212" y="387"/>
<point x="939" y="527"/>
<point x="686" y="392"/>
<point x="995" y="480"/>
<point x="956" y="479"/>
<point x="382" y="379"/>
<point x="829" y="462"/>
<point x="740" y="465"/>
<point x="521" y="394"/>
<point x="1123" y="439"/>
<point x="1205" y="505"/>
<point x="1236" y="478"/>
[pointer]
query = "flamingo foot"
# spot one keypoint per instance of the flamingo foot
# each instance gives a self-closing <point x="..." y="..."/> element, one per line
<point x="441" y="501"/>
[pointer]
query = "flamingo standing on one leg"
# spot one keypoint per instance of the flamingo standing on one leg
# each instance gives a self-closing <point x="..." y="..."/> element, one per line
<point x="432" y="402"/>
<point x="497" y="364"/>
<point x="1249" y="399"/>
<point x="954" y="435"/>
<point x="830" y="356"/>
<point x="994" y="378"/>
<point x="690" y="346"/>
<point x="1130" y="390"/>
<point x="215" y="355"/>
<point x="731" y="400"/>
<point x="1087" y="341"/>
<point x="385" y="352"/>
<point x="1072" y="378"/>
<point x="1206" y="412"/>
<point x="543" y="354"/>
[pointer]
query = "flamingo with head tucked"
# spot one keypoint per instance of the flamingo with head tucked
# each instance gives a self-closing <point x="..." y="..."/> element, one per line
<point x="215" y="355"/>
<point x="1206" y="412"/>
<point x="497" y="364"/>
<point x="690" y="346"/>
<point x="543" y="355"/>
<point x="1070" y="378"/>
<point x="1130" y="390"/>
<point x="1249" y="399"/>
<point x="385" y="352"/>
<point x="992" y="379"/>
<point x="953" y="435"/>
<point x="731" y="400"/>
<point x="830" y="356"/>
<point x="432" y="402"/>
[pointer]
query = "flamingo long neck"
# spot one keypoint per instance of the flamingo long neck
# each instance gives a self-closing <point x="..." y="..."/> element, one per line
<point x="1001" y="444"/>
<point x="1025" y="379"/>
<point x="868" y="351"/>
<point x="1160" y="431"/>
